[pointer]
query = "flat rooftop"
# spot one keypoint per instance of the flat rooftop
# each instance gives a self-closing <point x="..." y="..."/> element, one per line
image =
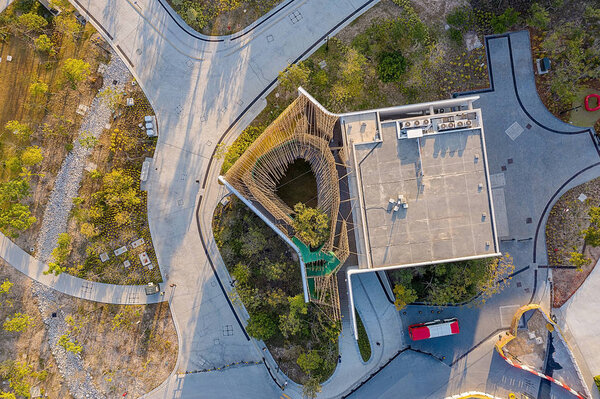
<point x="422" y="199"/>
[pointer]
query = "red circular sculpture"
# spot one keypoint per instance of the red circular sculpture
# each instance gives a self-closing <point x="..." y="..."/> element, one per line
<point x="586" y="103"/>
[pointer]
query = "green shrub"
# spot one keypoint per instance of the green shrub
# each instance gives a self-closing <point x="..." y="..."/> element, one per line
<point x="539" y="17"/>
<point x="597" y="381"/>
<point x="501" y="23"/>
<point x="455" y="35"/>
<point x="364" y="346"/>
<point x="459" y="18"/>
<point x="261" y="326"/>
<point x="391" y="67"/>
<point x="240" y="145"/>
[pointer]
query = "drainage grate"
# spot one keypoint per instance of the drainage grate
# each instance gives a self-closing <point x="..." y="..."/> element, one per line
<point x="529" y="126"/>
<point x="503" y="168"/>
<point x="528" y="220"/>
<point x="295" y="17"/>
<point x="227" y="330"/>
<point x="270" y="38"/>
<point x="510" y="161"/>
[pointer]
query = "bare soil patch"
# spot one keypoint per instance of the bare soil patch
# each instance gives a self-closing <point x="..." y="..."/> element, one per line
<point x="129" y="348"/>
<point x="126" y="348"/>
<point x="567" y="218"/>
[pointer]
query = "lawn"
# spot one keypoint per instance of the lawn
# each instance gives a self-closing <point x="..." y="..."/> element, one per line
<point x="221" y="17"/>
<point x="266" y="274"/>
<point x="39" y="106"/>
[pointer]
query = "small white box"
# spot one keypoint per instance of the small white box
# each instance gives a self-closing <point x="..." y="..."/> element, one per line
<point x="144" y="258"/>
<point x="126" y="264"/>
<point x="121" y="250"/>
<point x="137" y="243"/>
<point x="104" y="257"/>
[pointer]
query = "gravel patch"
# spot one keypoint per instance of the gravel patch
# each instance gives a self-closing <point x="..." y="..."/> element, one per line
<point x="70" y="365"/>
<point x="68" y="179"/>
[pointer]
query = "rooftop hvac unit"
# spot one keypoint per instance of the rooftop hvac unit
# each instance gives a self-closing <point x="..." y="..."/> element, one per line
<point x="468" y="123"/>
<point x="417" y="123"/>
<point x="443" y="126"/>
<point x="459" y="124"/>
<point x="451" y="124"/>
<point x="406" y="124"/>
<point x="426" y="122"/>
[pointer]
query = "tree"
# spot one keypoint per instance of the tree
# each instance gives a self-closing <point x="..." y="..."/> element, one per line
<point x="32" y="156"/>
<point x="261" y="326"/>
<point x="311" y="388"/>
<point x="18" y="323"/>
<point x="294" y="76"/>
<point x="32" y="22"/>
<point x="290" y="324"/>
<point x="253" y="243"/>
<point x="117" y="189"/>
<point x="75" y="70"/>
<point x="404" y="296"/>
<point x="63" y="248"/>
<point x="311" y="225"/>
<point x="21" y="130"/>
<point x="592" y="233"/>
<point x="579" y="260"/>
<point x="14" y="218"/>
<point x="44" y="44"/>
<point x="37" y="89"/>
<point x="497" y="276"/>
<point x="539" y="16"/>
<point x="5" y="287"/>
<point x="13" y="191"/>
<point x="391" y="66"/>
<point x="7" y="395"/>
<point x="241" y="273"/>
<point x="309" y="361"/>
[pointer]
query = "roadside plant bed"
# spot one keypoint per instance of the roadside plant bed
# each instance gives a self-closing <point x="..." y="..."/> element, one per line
<point x="26" y="359"/>
<point x="221" y="17"/>
<point x="386" y="57"/>
<point x="266" y="274"/>
<point x="364" y="346"/>
<point x="51" y="73"/>
<point x="111" y="212"/>
<point x="567" y="221"/>
<point x="451" y="283"/>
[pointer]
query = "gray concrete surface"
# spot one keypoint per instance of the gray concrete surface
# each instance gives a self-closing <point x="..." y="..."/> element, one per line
<point x="448" y="215"/>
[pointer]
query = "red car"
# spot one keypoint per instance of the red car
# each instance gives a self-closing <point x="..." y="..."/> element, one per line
<point x="433" y="329"/>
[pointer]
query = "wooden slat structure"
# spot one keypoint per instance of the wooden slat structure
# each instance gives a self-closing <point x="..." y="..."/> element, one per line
<point x="302" y="131"/>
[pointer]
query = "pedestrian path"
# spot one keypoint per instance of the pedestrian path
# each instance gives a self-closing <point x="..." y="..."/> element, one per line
<point x="71" y="285"/>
